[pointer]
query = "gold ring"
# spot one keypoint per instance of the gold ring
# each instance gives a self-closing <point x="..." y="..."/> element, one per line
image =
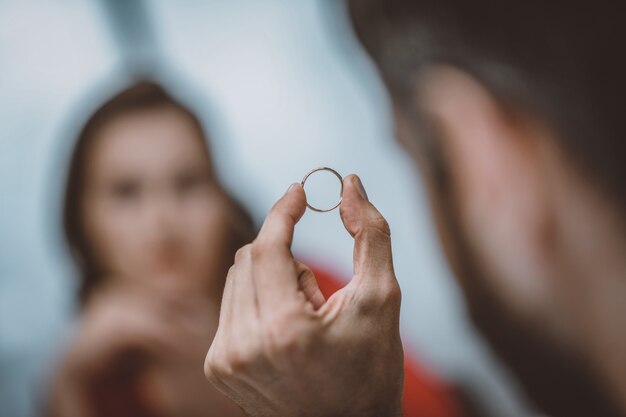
<point x="340" y="192"/>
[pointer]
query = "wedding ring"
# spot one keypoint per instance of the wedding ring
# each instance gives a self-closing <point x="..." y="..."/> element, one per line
<point x="340" y="192"/>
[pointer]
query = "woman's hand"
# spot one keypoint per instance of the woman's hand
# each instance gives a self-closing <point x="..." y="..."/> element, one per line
<point x="281" y="350"/>
<point x="136" y="353"/>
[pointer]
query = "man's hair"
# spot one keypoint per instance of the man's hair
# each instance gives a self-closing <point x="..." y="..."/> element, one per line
<point x="561" y="61"/>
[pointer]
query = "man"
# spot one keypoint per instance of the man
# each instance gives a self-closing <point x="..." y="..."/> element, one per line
<point x="513" y="111"/>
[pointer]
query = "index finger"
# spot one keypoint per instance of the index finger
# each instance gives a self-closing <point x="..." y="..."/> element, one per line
<point x="280" y="222"/>
<point x="275" y="276"/>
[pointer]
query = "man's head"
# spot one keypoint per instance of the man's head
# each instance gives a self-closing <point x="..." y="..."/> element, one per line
<point x="512" y="110"/>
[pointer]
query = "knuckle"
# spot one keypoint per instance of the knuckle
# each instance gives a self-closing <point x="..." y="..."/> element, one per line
<point x="229" y="362"/>
<point x="242" y="253"/>
<point x="208" y="371"/>
<point x="232" y="363"/>
<point x="259" y="249"/>
<point x="386" y="297"/>
<point x="237" y="362"/>
<point x="215" y="367"/>
<point x="376" y="230"/>
<point x="242" y="358"/>
<point x="379" y="225"/>
<point x="391" y="294"/>
<point x="231" y="271"/>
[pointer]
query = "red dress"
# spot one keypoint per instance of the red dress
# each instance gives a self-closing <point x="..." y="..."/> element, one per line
<point x="424" y="394"/>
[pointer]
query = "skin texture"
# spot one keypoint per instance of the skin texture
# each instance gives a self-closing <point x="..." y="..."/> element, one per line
<point x="164" y="233"/>
<point x="281" y="350"/>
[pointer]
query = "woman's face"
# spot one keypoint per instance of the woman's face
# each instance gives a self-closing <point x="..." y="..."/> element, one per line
<point x="151" y="209"/>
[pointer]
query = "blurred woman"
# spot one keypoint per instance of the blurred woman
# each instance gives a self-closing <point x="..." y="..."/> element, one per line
<point x="153" y="233"/>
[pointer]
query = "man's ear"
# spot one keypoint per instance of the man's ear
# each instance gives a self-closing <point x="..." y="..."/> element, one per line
<point x="498" y="162"/>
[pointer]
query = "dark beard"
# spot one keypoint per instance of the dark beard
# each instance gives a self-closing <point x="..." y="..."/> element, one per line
<point x="555" y="380"/>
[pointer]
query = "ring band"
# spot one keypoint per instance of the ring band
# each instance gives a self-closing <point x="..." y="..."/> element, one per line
<point x="340" y="193"/>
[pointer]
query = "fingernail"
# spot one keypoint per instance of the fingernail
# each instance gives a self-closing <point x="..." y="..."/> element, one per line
<point x="291" y="186"/>
<point x="360" y="188"/>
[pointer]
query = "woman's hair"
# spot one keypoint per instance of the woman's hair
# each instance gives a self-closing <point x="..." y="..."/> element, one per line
<point x="141" y="96"/>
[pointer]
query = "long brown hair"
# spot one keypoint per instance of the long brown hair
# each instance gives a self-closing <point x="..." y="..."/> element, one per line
<point x="143" y="95"/>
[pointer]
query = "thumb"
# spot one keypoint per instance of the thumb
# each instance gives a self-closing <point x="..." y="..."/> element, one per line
<point x="370" y="230"/>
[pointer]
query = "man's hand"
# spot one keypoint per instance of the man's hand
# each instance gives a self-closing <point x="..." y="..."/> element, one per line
<point x="282" y="350"/>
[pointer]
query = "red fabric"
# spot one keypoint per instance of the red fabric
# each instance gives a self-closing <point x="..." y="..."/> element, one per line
<point x="424" y="395"/>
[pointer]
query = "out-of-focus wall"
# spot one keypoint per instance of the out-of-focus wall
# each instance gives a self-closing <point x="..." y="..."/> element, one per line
<point x="283" y="88"/>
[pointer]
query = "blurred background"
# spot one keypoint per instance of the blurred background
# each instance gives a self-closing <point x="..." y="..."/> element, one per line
<point x="281" y="87"/>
